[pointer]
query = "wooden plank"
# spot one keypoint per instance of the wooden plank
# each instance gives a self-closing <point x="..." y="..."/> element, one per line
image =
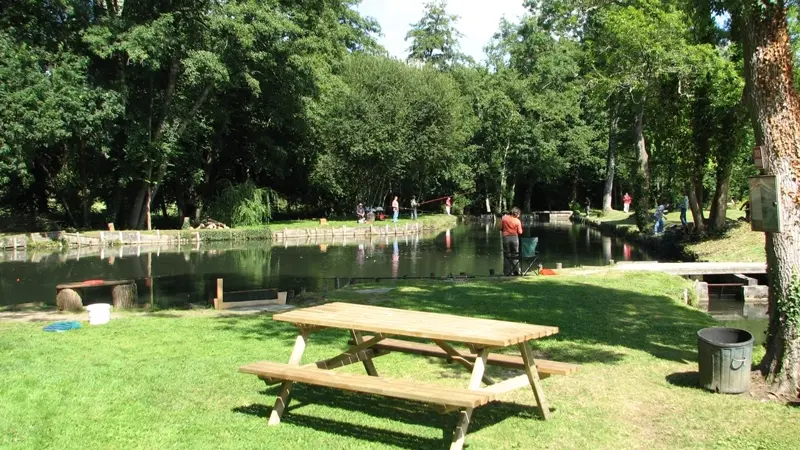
<point x="508" y="385"/>
<point x="83" y="284"/>
<point x="456" y="356"/>
<point x="465" y="415"/>
<point x="251" y="303"/>
<point x="368" y="364"/>
<point x="545" y="367"/>
<point x="286" y="387"/>
<point x="422" y="392"/>
<point x="345" y="359"/>
<point x="533" y="377"/>
<point x="481" y="332"/>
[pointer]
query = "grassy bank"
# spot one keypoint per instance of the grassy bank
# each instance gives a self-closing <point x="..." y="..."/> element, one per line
<point x="170" y="382"/>
<point x="427" y="220"/>
<point x="738" y="244"/>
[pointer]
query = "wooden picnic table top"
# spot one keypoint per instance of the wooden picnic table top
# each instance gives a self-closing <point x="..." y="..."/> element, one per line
<point x="401" y="322"/>
<point x="88" y="284"/>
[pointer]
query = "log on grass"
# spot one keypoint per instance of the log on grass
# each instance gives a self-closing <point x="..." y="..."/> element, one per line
<point x="69" y="300"/>
<point x="124" y="296"/>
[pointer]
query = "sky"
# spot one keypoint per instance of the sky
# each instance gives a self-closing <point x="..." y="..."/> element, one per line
<point x="478" y="21"/>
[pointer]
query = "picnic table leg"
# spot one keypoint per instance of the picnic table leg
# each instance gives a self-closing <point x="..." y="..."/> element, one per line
<point x="466" y="414"/>
<point x="286" y="387"/>
<point x="533" y="377"/>
<point x="368" y="364"/>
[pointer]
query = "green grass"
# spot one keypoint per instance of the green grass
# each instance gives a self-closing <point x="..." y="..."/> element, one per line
<point x="164" y="381"/>
<point x="738" y="244"/>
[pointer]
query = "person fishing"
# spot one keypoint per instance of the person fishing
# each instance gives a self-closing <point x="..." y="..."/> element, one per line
<point x="511" y="228"/>
<point x="414" y="205"/>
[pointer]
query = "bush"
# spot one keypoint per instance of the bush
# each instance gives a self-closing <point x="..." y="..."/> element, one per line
<point x="242" y="205"/>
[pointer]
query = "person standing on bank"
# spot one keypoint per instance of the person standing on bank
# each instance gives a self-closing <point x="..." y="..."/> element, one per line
<point x="684" y="206"/>
<point x="395" y="209"/>
<point x="447" y="204"/>
<point x="414" y="205"/>
<point x="511" y="228"/>
<point x="626" y="202"/>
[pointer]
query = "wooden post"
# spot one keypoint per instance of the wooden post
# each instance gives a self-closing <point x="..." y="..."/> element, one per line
<point x="219" y="301"/>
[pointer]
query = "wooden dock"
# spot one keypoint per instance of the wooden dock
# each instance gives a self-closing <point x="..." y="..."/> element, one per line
<point x="694" y="268"/>
<point x="351" y="232"/>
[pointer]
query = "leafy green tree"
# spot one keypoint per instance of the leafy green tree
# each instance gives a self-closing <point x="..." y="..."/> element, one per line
<point x="408" y="140"/>
<point x="434" y="39"/>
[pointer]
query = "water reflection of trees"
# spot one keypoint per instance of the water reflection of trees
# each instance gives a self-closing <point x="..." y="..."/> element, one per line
<point x="182" y="276"/>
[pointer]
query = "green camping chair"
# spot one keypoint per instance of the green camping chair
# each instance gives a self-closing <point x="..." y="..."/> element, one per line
<point x="528" y="254"/>
<point x="527" y="257"/>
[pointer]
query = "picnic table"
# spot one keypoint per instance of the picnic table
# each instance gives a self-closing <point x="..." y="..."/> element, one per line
<point x="480" y="336"/>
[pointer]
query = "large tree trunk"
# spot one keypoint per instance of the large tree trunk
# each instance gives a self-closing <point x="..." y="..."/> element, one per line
<point x="719" y="204"/>
<point x="642" y="188"/>
<point x="730" y="142"/>
<point x="696" y="199"/>
<point x="696" y="207"/>
<point x="775" y="113"/>
<point x="611" y="159"/>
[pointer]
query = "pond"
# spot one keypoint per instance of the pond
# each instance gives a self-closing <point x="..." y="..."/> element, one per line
<point x="187" y="275"/>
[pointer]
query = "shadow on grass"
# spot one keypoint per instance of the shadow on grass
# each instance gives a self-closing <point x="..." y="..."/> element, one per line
<point x="689" y="379"/>
<point x="392" y="409"/>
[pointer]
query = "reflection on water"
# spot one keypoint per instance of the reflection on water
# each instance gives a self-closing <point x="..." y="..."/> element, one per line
<point x="177" y="276"/>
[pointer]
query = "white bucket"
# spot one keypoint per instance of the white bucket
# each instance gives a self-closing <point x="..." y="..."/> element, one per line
<point x="99" y="313"/>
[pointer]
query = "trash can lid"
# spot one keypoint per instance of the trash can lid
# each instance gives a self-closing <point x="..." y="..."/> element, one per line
<point x="725" y="337"/>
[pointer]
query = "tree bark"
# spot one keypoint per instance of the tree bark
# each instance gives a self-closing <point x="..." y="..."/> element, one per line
<point x="642" y="191"/>
<point x="775" y="113"/>
<point x="611" y="159"/>
<point x="501" y="195"/>
<point x="696" y="207"/>
<point x="719" y="204"/>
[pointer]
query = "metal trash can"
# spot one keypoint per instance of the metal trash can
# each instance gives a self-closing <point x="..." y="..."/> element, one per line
<point x="725" y="356"/>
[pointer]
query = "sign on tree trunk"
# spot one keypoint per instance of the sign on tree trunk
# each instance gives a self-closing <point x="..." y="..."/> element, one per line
<point x="764" y="204"/>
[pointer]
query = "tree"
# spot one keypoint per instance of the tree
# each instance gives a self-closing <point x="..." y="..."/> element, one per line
<point x="774" y="109"/>
<point x="391" y="128"/>
<point x="434" y="39"/>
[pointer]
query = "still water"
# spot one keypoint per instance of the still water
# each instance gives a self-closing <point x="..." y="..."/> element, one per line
<point x="177" y="277"/>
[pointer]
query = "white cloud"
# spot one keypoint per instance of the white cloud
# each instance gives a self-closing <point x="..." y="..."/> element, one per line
<point x="478" y="21"/>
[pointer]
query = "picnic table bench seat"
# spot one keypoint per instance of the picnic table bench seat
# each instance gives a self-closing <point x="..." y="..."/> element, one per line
<point x="415" y="391"/>
<point x="543" y="366"/>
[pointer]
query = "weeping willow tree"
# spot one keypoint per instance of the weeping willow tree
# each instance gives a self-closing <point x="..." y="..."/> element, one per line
<point x="242" y="205"/>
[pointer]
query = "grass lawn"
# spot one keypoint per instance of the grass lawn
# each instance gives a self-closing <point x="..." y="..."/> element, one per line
<point x="738" y="244"/>
<point x="164" y="381"/>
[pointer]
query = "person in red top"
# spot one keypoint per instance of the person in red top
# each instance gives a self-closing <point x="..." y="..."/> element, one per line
<point x="447" y="204"/>
<point x="511" y="228"/>
<point x="626" y="202"/>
